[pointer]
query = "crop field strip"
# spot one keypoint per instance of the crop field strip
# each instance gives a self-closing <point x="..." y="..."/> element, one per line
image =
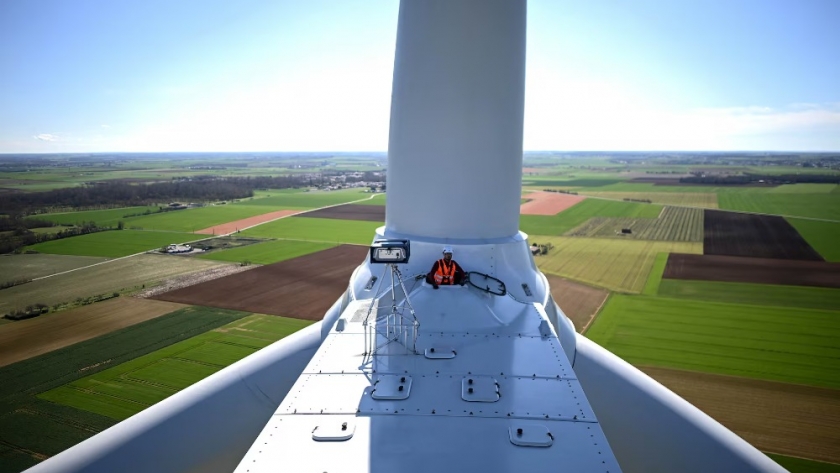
<point x="707" y="200"/>
<point x="796" y="464"/>
<point x="674" y="224"/>
<point x="27" y="338"/>
<point x="303" y="287"/>
<point x="818" y="205"/>
<point x="618" y="265"/>
<point x="30" y="266"/>
<point x="268" y="252"/>
<point x="579" y="302"/>
<point x="123" y="274"/>
<point x="583" y="211"/>
<point x="32" y="428"/>
<point x="751" y="294"/>
<point x="128" y="388"/>
<point x="759" y="236"/>
<point x="369" y="213"/>
<point x="111" y="244"/>
<point x="777" y="417"/>
<point x="102" y="218"/>
<point x="791" y="345"/>
<point x="741" y="269"/>
<point x="326" y="230"/>
<point x="822" y="236"/>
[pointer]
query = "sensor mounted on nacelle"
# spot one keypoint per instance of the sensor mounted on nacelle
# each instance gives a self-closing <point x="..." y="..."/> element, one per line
<point x="390" y="251"/>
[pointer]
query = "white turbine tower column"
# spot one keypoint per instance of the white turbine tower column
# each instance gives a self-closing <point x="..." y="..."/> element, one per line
<point x="455" y="145"/>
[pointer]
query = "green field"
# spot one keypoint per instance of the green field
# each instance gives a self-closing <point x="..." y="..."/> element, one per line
<point x="191" y="220"/>
<point x="822" y="236"/>
<point x="821" y="205"/>
<point x="15" y="267"/>
<point x="124" y="274"/>
<point x="327" y="230"/>
<point x="685" y="199"/>
<point x="268" y="252"/>
<point x="130" y="387"/>
<point x="799" y="346"/>
<point x="378" y="199"/>
<point x="674" y="224"/>
<point x="31" y="426"/>
<point x="304" y="200"/>
<point x="752" y="294"/>
<point x="801" y="465"/>
<point x="805" y="189"/>
<point x="618" y="265"/>
<point x="103" y="218"/>
<point x="583" y="211"/>
<point x="655" y="276"/>
<point x="111" y="244"/>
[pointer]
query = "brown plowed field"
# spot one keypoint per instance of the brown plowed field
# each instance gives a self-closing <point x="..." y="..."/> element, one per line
<point x="753" y="270"/>
<point x="789" y="419"/>
<point x="548" y="203"/>
<point x="303" y="287"/>
<point x="759" y="236"/>
<point x="371" y="213"/>
<point x="231" y="227"/>
<point x="27" y="338"/>
<point x="579" y="302"/>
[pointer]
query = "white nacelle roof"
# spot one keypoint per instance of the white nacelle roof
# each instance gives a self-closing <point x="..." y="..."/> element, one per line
<point x="508" y="400"/>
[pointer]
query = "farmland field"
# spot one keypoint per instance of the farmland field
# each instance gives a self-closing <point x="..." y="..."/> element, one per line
<point x="27" y="338"/>
<point x="111" y="244"/>
<point x="548" y="203"/>
<point x="758" y="236"/>
<point x="654" y="279"/>
<point x="800" y="465"/>
<point x="34" y="428"/>
<point x="740" y="269"/>
<point x="821" y="205"/>
<point x="578" y="301"/>
<point x="368" y="213"/>
<point x="822" y="236"/>
<point x="303" y="287"/>
<point x="583" y="211"/>
<point x="377" y="199"/>
<point x="674" y="224"/>
<point x="684" y="199"/>
<point x="800" y="346"/>
<point x="105" y="278"/>
<point x="128" y="388"/>
<point x="752" y="294"/>
<point x="191" y="220"/>
<point x="327" y="230"/>
<point x="14" y="267"/>
<point x="268" y="252"/>
<point x="305" y="200"/>
<point x="619" y="265"/>
<point x="103" y="218"/>
<point x="777" y="417"/>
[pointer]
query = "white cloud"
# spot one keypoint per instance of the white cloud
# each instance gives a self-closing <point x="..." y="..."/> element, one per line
<point x="105" y="126"/>
<point x="601" y="115"/>
<point x="46" y="137"/>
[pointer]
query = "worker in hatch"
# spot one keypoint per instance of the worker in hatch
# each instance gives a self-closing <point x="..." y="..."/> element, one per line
<point x="446" y="271"/>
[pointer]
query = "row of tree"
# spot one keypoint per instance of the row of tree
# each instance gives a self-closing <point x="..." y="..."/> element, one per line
<point x="13" y="240"/>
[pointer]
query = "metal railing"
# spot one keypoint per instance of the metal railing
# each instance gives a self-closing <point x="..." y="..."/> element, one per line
<point x="396" y="323"/>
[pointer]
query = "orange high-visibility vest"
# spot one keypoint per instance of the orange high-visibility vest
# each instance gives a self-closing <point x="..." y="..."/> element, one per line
<point x="444" y="275"/>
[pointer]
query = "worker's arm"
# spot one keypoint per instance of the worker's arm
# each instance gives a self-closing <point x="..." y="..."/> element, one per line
<point x="459" y="274"/>
<point x="430" y="277"/>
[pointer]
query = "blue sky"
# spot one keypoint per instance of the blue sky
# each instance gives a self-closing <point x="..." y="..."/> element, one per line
<point x="315" y="75"/>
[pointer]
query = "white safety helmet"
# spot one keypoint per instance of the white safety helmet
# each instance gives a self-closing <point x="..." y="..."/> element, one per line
<point x="447" y="249"/>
